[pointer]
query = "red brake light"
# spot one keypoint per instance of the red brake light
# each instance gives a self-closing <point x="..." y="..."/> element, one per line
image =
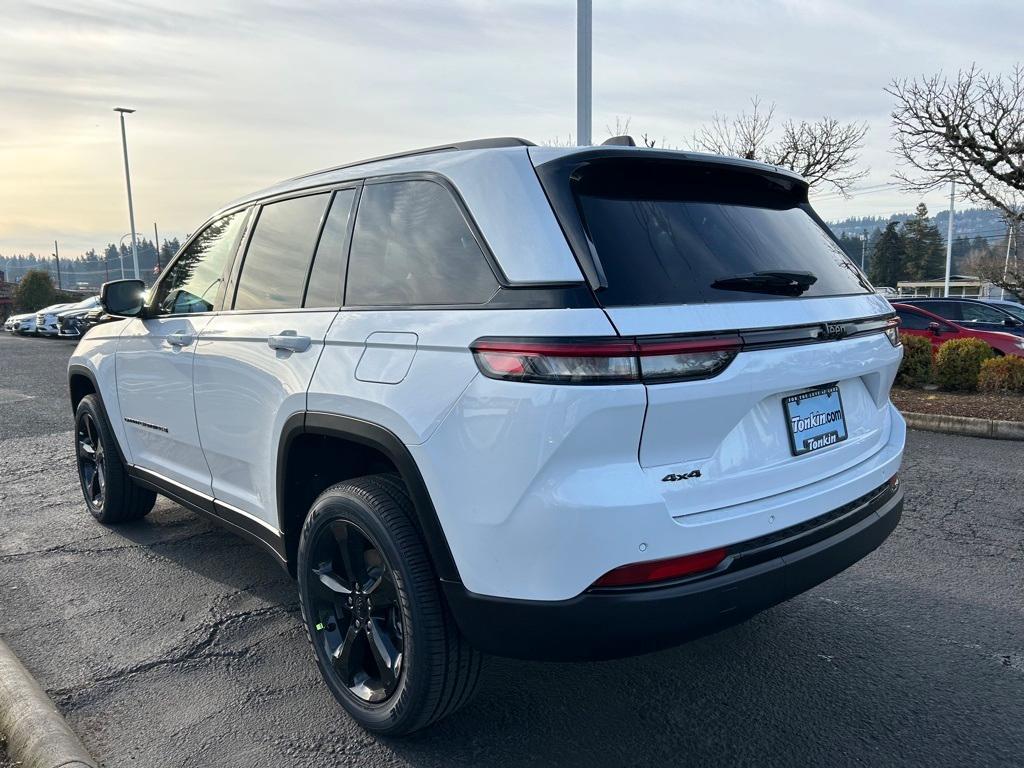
<point x="599" y="361"/>
<point x="661" y="570"/>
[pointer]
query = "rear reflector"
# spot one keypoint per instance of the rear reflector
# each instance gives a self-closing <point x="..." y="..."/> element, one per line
<point x="600" y="361"/>
<point x="661" y="570"/>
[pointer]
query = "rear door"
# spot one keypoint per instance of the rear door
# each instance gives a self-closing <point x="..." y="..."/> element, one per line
<point x="254" y="361"/>
<point x="155" y="357"/>
<point x="688" y="248"/>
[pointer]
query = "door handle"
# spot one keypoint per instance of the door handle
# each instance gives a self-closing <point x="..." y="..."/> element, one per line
<point x="290" y="341"/>
<point x="180" y="339"/>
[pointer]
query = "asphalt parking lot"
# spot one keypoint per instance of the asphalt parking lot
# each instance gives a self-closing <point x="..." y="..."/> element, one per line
<point x="170" y="642"/>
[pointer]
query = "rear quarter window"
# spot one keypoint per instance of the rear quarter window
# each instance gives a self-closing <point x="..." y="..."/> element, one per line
<point x="412" y="246"/>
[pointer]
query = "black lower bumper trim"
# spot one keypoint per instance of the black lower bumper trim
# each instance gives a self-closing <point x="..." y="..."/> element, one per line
<point x="614" y="624"/>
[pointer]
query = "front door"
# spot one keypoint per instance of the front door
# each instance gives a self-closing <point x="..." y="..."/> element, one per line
<point x="155" y="358"/>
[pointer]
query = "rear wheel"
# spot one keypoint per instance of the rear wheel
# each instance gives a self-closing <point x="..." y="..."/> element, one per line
<point x="384" y="641"/>
<point x="111" y="495"/>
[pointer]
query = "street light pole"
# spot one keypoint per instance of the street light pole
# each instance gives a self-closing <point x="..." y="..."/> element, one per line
<point x="584" y="80"/>
<point x="56" y="256"/>
<point x="128" y="183"/>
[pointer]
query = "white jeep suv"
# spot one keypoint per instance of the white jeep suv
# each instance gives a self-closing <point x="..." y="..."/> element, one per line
<point x="498" y="398"/>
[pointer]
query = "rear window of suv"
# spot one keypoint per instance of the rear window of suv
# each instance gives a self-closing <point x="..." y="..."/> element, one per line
<point x="679" y="233"/>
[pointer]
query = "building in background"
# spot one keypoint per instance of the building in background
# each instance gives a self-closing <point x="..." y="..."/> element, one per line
<point x="959" y="285"/>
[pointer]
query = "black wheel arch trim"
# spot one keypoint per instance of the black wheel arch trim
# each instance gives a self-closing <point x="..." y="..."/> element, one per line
<point x="390" y="445"/>
<point x="77" y="369"/>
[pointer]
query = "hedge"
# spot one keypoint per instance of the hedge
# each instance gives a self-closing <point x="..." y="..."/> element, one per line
<point x="916" y="368"/>
<point x="958" y="363"/>
<point x="1002" y="374"/>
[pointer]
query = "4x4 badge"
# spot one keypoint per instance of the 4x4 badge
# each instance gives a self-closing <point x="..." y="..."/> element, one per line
<point x="674" y="477"/>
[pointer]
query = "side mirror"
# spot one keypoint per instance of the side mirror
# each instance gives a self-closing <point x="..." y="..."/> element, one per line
<point x="123" y="298"/>
<point x="935" y="328"/>
<point x="1011" y="322"/>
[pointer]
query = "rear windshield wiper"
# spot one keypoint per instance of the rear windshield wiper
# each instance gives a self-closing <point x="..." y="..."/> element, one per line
<point x="781" y="282"/>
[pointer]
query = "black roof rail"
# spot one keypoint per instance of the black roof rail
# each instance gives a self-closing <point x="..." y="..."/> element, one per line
<point x="493" y="143"/>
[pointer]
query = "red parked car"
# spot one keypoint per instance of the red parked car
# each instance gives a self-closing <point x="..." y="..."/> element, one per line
<point x="920" y="322"/>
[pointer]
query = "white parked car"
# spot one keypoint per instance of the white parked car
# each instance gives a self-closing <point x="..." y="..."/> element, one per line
<point x="46" y="319"/>
<point x="491" y="397"/>
<point x="68" y="324"/>
<point x="24" y="324"/>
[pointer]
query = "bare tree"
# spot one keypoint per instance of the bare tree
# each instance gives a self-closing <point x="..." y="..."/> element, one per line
<point x="825" y="152"/>
<point x="968" y="129"/>
<point x="1000" y="267"/>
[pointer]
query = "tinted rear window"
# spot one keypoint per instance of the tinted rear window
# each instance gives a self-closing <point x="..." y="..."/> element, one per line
<point x="666" y="232"/>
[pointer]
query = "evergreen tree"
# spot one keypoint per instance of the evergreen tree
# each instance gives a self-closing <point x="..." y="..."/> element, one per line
<point x="34" y="291"/>
<point x="926" y="253"/>
<point x="888" y="257"/>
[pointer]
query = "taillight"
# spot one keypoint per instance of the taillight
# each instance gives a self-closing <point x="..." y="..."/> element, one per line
<point x="892" y="331"/>
<point x="638" y="574"/>
<point x="604" y="361"/>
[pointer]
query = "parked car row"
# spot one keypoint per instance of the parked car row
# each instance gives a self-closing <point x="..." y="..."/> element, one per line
<point x="1000" y="325"/>
<point x="69" y="320"/>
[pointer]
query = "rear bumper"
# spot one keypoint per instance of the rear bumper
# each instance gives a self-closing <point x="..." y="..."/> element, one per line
<point x="625" y="622"/>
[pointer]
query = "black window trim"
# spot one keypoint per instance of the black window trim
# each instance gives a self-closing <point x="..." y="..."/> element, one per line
<point x="509" y="295"/>
<point x="346" y="245"/>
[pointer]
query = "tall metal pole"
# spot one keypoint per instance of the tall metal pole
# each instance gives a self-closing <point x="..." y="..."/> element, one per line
<point x="863" y="249"/>
<point x="584" y="80"/>
<point x="56" y="256"/>
<point x="128" y="183"/>
<point x="949" y="236"/>
<point x="156" y="244"/>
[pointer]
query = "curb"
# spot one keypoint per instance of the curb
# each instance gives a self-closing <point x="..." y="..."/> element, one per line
<point x="36" y="734"/>
<point x="965" y="425"/>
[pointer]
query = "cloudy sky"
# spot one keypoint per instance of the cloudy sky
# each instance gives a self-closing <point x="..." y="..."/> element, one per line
<point x="233" y="96"/>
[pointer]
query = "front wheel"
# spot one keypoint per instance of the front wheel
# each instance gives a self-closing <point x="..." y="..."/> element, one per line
<point x="383" y="638"/>
<point x="110" y="493"/>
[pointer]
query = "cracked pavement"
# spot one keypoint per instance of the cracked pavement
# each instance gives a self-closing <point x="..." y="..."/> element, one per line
<point x="170" y="642"/>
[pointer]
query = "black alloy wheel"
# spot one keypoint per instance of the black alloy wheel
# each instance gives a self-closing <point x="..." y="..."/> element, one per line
<point x="91" y="461"/>
<point x="356" y="609"/>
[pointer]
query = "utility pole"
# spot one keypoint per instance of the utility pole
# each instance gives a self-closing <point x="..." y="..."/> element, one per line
<point x="584" y="80"/>
<point x="863" y="249"/>
<point x="156" y="243"/>
<point x="949" y="236"/>
<point x="1011" y="236"/>
<point x="128" y="183"/>
<point x="56" y="256"/>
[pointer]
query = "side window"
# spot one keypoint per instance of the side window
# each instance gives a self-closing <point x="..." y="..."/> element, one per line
<point x="327" y="280"/>
<point x="194" y="280"/>
<point x="947" y="309"/>
<point x="979" y="313"/>
<point x="913" y="321"/>
<point x="412" y="246"/>
<point x="280" y="249"/>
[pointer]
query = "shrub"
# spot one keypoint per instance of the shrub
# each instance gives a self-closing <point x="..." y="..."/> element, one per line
<point x="1002" y="374"/>
<point x="916" y="368"/>
<point x="958" y="363"/>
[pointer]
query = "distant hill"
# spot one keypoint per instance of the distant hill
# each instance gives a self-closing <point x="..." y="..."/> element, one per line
<point x="970" y="223"/>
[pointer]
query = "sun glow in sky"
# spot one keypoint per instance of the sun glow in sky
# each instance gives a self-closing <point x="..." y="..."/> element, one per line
<point x="234" y="96"/>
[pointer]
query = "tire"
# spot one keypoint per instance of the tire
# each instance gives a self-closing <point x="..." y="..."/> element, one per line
<point x="111" y="495"/>
<point x="370" y="519"/>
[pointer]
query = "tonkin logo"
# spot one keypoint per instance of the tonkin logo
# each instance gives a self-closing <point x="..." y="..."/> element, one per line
<point x="832" y="331"/>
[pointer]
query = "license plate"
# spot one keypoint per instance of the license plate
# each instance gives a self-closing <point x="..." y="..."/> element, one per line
<point x="815" y="419"/>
